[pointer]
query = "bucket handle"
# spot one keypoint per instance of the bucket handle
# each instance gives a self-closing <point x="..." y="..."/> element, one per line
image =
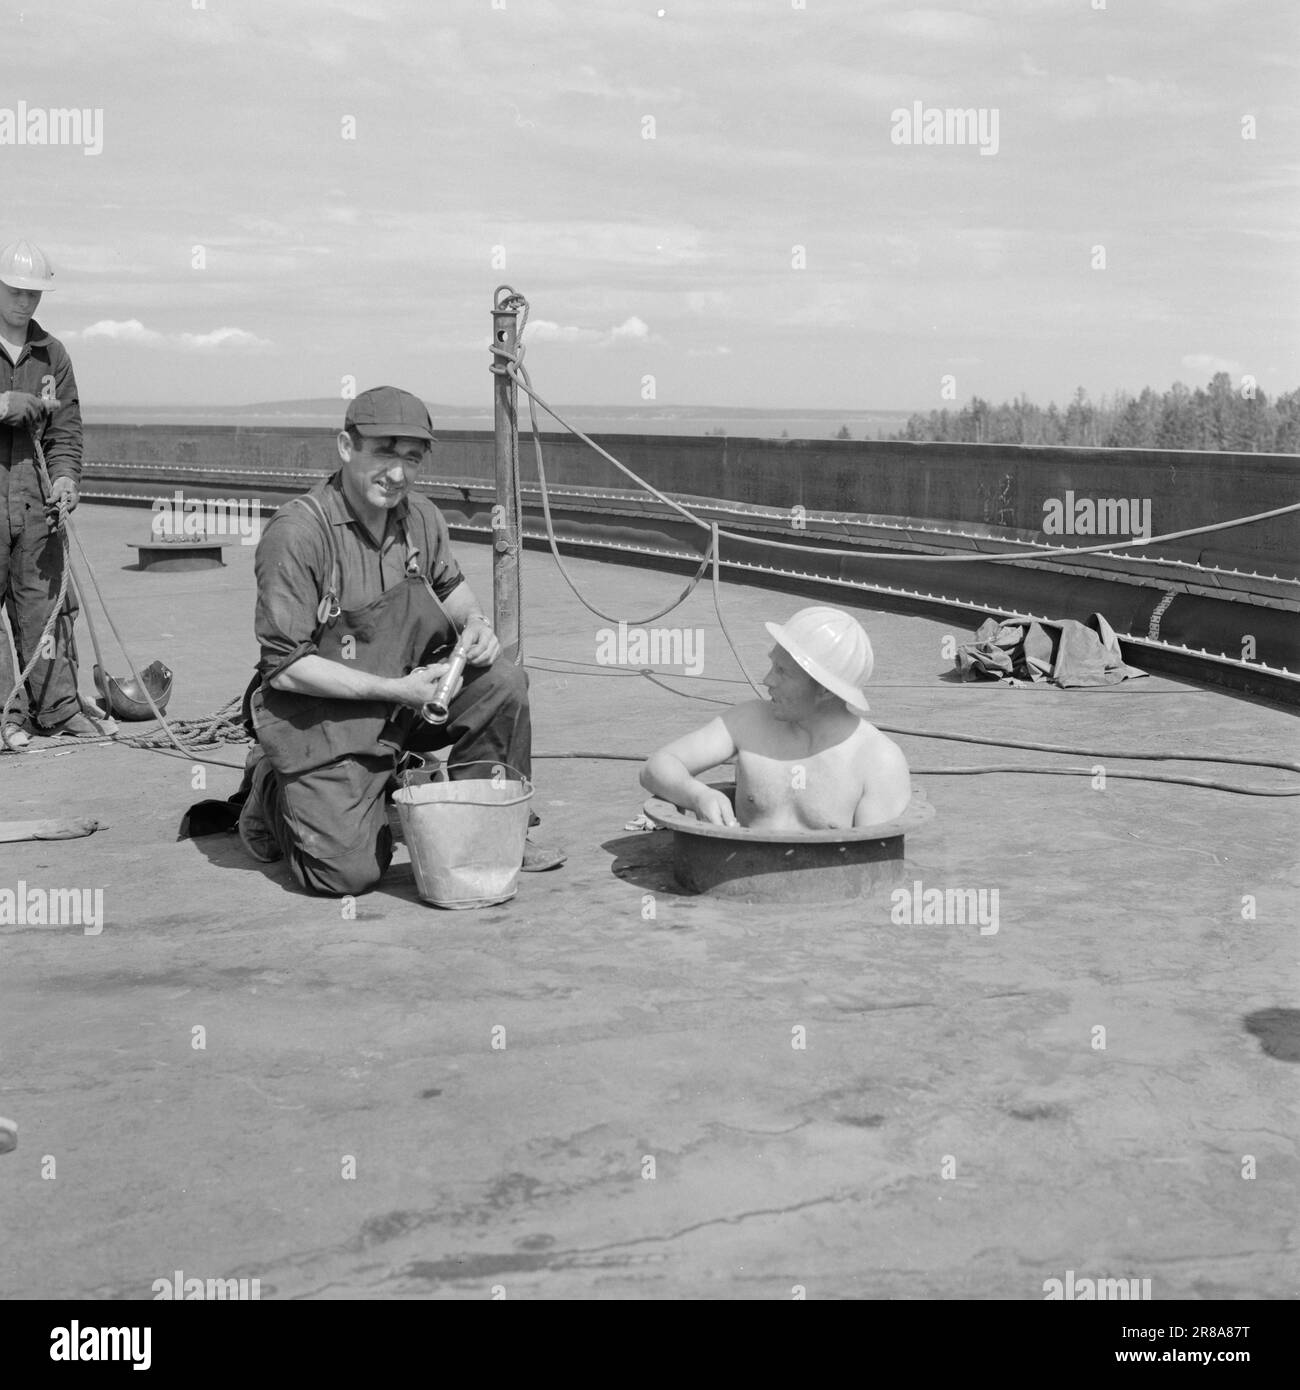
<point x="441" y="770"/>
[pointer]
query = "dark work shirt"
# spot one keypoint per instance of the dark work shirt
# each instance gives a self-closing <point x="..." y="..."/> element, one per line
<point x="43" y="367"/>
<point x="293" y="566"/>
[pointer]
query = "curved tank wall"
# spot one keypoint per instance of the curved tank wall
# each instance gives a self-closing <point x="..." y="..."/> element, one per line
<point x="996" y="485"/>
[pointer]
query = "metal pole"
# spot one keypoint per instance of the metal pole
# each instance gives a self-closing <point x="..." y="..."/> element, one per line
<point x="506" y="521"/>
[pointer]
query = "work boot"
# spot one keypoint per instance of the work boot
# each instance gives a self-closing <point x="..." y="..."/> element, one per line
<point x="537" y="858"/>
<point x="76" y="727"/>
<point x="254" y="830"/>
<point x="16" y="738"/>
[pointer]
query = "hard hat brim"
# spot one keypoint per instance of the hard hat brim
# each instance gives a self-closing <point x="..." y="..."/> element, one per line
<point x="25" y="282"/>
<point x="850" y="694"/>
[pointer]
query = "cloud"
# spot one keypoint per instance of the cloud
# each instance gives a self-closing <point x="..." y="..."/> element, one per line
<point x="546" y="331"/>
<point x="133" y="331"/>
<point x="119" y="331"/>
<point x="630" y="328"/>
<point x="910" y="256"/>
<point x="222" y="338"/>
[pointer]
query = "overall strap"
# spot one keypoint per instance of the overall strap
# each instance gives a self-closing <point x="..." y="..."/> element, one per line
<point x="330" y="605"/>
<point x="327" y="610"/>
<point x="415" y="570"/>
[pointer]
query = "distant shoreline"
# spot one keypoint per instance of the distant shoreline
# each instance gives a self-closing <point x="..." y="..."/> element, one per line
<point x="683" y="420"/>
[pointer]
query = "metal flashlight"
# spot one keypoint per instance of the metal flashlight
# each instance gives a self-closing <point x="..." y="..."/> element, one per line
<point x="437" y="710"/>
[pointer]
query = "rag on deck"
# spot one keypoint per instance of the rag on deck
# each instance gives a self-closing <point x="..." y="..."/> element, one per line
<point x="1067" y="653"/>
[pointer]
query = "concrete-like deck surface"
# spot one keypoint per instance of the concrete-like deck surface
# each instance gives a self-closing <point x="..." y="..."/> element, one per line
<point x="951" y="1129"/>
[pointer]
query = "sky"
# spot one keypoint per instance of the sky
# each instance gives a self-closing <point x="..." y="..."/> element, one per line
<point x="714" y="202"/>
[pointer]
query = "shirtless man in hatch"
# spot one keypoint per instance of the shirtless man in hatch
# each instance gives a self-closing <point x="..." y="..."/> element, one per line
<point x="806" y="759"/>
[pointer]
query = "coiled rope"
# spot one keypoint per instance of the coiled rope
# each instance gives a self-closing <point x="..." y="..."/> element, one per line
<point x="186" y="736"/>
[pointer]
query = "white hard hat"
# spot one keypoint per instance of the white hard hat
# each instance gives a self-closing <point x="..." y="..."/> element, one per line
<point x="24" y="266"/>
<point x="832" y="648"/>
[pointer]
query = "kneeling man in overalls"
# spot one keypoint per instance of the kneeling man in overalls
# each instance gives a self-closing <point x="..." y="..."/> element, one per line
<point x="357" y="595"/>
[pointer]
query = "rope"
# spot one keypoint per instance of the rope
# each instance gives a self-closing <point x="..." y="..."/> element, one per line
<point x="220" y="728"/>
<point x="50" y="623"/>
<point x="207" y="730"/>
<point x="971" y="771"/>
<point x="1009" y="767"/>
<point x="1037" y="554"/>
<point x="144" y="689"/>
<point x="722" y="622"/>
<point x="1093" y="753"/>
<point x="1132" y="756"/>
<point x="710" y="554"/>
<point x="511" y="364"/>
<point x="502" y="367"/>
<point x="517" y="371"/>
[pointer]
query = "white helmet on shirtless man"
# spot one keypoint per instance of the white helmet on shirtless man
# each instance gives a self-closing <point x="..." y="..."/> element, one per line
<point x="806" y="758"/>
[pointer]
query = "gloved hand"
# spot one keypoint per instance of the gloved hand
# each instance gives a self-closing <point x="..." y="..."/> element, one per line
<point x="63" y="498"/>
<point x="21" y="408"/>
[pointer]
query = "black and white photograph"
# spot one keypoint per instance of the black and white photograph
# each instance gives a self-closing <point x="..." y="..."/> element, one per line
<point x="650" y="654"/>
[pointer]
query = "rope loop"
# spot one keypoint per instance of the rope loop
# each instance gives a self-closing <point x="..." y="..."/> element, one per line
<point x="507" y="299"/>
<point x="208" y="730"/>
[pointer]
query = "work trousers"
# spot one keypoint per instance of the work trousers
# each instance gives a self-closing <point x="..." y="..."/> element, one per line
<point x="332" y="822"/>
<point x="31" y="566"/>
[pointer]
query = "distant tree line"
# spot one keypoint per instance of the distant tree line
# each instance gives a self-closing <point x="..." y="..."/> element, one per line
<point x="1215" y="417"/>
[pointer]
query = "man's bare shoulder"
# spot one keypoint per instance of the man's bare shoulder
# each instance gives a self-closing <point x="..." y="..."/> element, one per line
<point x="748" y="721"/>
<point x="878" y="752"/>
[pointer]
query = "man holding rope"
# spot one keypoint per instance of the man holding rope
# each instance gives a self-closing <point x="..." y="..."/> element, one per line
<point x="38" y="401"/>
<point x="358" y="593"/>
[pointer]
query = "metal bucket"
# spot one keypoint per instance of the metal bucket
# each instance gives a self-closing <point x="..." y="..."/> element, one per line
<point x="466" y="838"/>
